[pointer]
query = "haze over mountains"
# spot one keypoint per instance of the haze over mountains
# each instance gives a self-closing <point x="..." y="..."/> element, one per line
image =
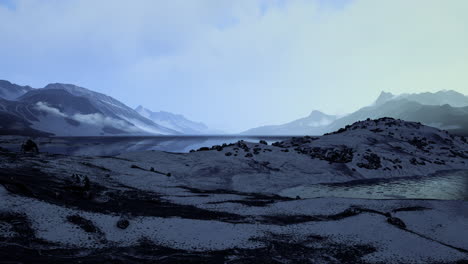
<point x="176" y="122"/>
<point x="69" y="110"/>
<point x="444" y="109"/>
<point x="310" y="125"/>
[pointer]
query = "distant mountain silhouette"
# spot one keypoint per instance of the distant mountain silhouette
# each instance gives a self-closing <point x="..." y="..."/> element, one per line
<point x="176" y="122"/>
<point x="446" y="110"/>
<point x="312" y="124"/>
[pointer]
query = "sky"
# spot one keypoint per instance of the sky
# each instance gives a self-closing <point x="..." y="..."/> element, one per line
<point x="238" y="64"/>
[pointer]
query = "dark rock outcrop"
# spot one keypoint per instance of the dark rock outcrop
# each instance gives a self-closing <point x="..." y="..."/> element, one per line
<point x="29" y="147"/>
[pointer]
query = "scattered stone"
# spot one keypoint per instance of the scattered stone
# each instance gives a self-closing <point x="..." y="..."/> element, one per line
<point x="228" y="154"/>
<point x="396" y="222"/>
<point x="373" y="162"/>
<point x="217" y="147"/>
<point x="414" y="161"/>
<point x="85" y="224"/>
<point x="263" y="142"/>
<point x="420" y="143"/>
<point x="256" y="151"/>
<point x="81" y="182"/>
<point x="342" y="154"/>
<point x="123" y="223"/>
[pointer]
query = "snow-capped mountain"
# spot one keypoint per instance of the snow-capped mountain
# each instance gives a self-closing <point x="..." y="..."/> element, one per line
<point x="11" y="91"/>
<point x="313" y="124"/>
<point x="444" y="109"/>
<point x="69" y="110"/>
<point x="176" y="122"/>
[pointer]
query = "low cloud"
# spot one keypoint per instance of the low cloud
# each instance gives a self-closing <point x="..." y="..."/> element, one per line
<point x="41" y="106"/>
<point x="95" y="119"/>
<point x="100" y="120"/>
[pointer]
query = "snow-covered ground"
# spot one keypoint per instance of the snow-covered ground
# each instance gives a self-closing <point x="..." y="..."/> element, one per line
<point x="221" y="205"/>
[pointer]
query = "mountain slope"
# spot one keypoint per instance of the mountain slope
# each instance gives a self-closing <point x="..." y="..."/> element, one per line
<point x="12" y="124"/>
<point x="113" y="108"/>
<point x="176" y="122"/>
<point x="449" y="97"/>
<point x="69" y="110"/>
<point x="246" y="202"/>
<point x="311" y="125"/>
<point x="444" y="109"/>
<point x="454" y="119"/>
<point x="10" y="91"/>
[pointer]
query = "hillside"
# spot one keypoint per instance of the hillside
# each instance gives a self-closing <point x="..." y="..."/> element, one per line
<point x="221" y="203"/>
<point x="69" y="110"/>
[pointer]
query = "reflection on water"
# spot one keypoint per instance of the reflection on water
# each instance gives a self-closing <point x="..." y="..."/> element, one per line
<point x="447" y="186"/>
<point x="106" y="146"/>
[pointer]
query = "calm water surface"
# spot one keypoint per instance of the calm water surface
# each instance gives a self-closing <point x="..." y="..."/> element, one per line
<point x="106" y="146"/>
<point x="444" y="186"/>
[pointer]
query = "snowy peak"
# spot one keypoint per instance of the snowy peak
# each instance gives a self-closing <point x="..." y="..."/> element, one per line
<point x="176" y="122"/>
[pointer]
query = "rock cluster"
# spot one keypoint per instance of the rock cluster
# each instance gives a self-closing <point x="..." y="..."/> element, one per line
<point x="340" y="154"/>
<point x="373" y="162"/>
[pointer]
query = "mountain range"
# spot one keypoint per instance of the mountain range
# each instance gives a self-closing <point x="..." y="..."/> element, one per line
<point x="69" y="110"/>
<point x="312" y="124"/>
<point x="446" y="110"/>
<point x="176" y="122"/>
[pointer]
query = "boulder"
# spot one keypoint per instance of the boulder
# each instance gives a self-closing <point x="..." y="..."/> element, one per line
<point x="396" y="222"/>
<point x="123" y="223"/>
<point x="29" y="146"/>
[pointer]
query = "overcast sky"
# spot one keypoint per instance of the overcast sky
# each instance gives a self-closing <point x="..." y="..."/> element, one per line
<point x="241" y="63"/>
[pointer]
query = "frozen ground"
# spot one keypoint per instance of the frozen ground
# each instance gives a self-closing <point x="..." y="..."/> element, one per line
<point x="222" y="205"/>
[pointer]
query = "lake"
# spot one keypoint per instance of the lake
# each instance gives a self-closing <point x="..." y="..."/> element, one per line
<point x="108" y="146"/>
<point x="443" y="186"/>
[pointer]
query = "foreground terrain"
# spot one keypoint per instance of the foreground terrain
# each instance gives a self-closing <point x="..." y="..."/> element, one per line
<point x="222" y="204"/>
